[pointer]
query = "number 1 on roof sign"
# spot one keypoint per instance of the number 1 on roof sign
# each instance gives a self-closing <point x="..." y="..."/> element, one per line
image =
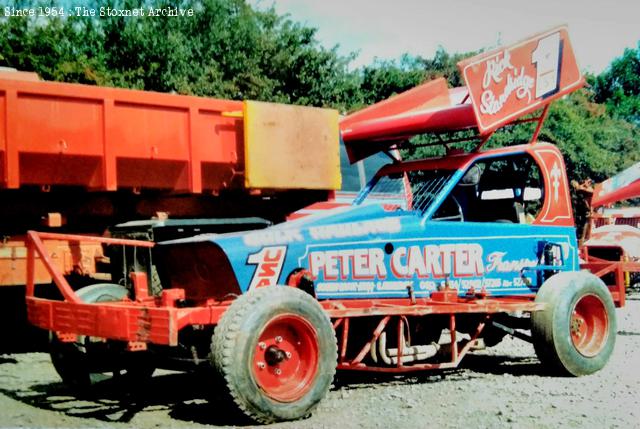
<point x="546" y="57"/>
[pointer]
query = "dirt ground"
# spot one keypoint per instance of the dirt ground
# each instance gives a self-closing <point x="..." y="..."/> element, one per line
<point x="500" y="387"/>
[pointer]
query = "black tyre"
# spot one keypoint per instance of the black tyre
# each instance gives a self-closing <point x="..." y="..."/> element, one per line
<point x="276" y="350"/>
<point x="575" y="334"/>
<point x="74" y="361"/>
<point x="70" y="361"/>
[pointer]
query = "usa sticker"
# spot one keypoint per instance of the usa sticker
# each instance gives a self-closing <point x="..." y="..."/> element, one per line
<point x="268" y="263"/>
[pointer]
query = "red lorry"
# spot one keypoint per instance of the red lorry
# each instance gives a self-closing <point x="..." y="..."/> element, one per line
<point x="135" y="164"/>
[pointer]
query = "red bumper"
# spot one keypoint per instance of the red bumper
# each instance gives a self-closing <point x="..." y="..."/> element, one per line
<point x="126" y="321"/>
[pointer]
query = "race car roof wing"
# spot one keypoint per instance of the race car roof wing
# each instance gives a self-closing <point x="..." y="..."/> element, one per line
<point x="622" y="186"/>
<point x="502" y="86"/>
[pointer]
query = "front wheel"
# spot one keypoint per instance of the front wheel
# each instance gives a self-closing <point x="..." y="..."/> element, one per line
<point x="276" y="350"/>
<point x="576" y="332"/>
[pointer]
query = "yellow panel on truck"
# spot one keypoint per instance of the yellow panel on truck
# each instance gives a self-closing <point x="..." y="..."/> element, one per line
<point x="291" y="147"/>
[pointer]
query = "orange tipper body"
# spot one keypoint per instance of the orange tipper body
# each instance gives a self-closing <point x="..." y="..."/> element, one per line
<point x="86" y="158"/>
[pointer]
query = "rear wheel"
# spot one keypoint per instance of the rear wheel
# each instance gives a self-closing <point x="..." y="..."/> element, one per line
<point x="70" y="361"/>
<point x="276" y="350"/>
<point x="575" y="334"/>
<point x="74" y="361"/>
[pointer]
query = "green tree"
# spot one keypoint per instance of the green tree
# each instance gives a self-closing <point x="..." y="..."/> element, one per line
<point x="619" y="86"/>
<point x="445" y="65"/>
<point x="595" y="144"/>
<point x="227" y="49"/>
<point x="57" y="49"/>
<point x="383" y="79"/>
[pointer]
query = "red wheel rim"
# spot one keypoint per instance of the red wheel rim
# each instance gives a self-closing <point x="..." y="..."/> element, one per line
<point x="285" y="360"/>
<point x="589" y="325"/>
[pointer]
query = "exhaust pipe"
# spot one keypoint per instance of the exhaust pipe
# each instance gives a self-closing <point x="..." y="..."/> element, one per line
<point x="409" y="353"/>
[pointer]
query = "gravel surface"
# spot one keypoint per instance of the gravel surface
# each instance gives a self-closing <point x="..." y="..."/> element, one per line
<point x="499" y="387"/>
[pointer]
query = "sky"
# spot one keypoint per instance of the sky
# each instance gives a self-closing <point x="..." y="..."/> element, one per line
<point x="600" y="30"/>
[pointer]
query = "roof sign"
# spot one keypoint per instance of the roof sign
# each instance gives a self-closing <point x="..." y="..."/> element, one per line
<point x="513" y="81"/>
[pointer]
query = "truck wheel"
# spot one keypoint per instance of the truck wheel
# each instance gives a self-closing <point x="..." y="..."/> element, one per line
<point x="276" y="350"/>
<point x="576" y="332"/>
<point x="72" y="361"/>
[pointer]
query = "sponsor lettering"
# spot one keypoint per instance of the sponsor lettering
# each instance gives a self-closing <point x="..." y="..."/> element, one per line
<point x="355" y="229"/>
<point x="359" y="264"/>
<point x="496" y="262"/>
<point x="459" y="260"/>
<point x="438" y="261"/>
<point x="268" y="237"/>
<point x="274" y="236"/>
<point x="369" y="269"/>
<point x="363" y="286"/>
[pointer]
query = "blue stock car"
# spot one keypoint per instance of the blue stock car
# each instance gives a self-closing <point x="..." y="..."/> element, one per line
<point x="433" y="258"/>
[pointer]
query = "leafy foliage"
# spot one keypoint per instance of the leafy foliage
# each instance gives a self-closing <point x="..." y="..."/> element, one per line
<point x="595" y="145"/>
<point x="225" y="50"/>
<point x="619" y="86"/>
<point x="383" y="79"/>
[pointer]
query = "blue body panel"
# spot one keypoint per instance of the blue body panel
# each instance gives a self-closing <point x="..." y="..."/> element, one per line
<point x="367" y="252"/>
<point x="384" y="250"/>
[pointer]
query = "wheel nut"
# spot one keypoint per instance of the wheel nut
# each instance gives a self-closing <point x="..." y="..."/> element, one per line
<point x="262" y="345"/>
<point x="278" y="339"/>
<point x="261" y="365"/>
<point x="278" y="371"/>
<point x="288" y="355"/>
